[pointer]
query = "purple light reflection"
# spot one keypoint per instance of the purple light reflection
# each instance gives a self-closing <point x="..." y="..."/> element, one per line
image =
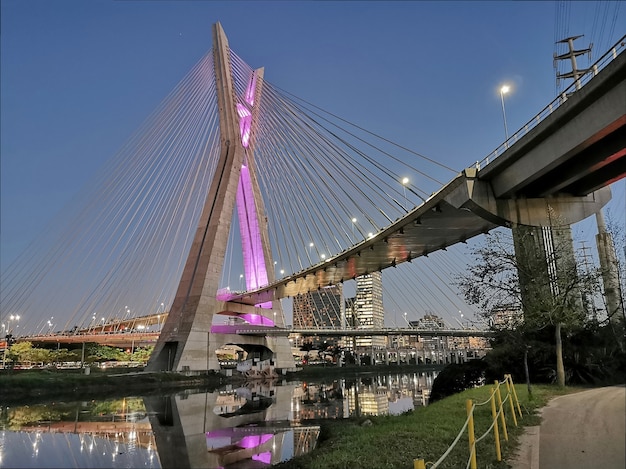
<point x="265" y="458"/>
<point x="257" y="320"/>
<point x="252" y="441"/>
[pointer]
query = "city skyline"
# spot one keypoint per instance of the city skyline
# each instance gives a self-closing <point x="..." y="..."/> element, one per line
<point x="81" y="78"/>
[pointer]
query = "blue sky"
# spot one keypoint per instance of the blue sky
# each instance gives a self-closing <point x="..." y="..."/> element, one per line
<point x="77" y="77"/>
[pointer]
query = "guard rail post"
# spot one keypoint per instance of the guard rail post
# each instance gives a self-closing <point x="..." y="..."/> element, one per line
<point x="519" y="409"/>
<point x="501" y="410"/>
<point x="496" y="431"/>
<point x="510" y="394"/>
<point x="469" y="407"/>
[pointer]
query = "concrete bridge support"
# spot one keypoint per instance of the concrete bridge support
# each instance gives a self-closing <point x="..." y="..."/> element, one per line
<point x="546" y="268"/>
<point x="610" y="272"/>
<point x="186" y="342"/>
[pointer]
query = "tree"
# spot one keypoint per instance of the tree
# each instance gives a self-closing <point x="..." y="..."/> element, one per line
<point x="142" y="354"/>
<point x="525" y="281"/>
<point x="101" y="353"/>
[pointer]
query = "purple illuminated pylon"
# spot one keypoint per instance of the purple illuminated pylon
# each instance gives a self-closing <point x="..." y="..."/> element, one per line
<point x="252" y="247"/>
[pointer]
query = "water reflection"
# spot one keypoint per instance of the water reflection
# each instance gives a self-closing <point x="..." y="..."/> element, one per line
<point x="255" y="425"/>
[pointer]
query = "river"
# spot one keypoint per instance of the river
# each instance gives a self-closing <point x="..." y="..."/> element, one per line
<point x="255" y="425"/>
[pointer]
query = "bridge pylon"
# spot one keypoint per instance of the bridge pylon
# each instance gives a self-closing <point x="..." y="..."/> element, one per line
<point x="189" y="340"/>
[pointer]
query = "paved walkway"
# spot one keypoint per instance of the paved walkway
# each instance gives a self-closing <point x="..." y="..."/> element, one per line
<point x="582" y="430"/>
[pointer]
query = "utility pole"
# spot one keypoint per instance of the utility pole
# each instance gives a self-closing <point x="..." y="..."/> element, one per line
<point x="576" y="73"/>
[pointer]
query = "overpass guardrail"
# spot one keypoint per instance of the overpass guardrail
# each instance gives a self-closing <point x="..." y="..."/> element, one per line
<point x="601" y="63"/>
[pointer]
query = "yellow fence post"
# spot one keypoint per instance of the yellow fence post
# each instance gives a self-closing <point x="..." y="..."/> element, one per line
<point x="519" y="409"/>
<point x="510" y="394"/>
<point x="496" y="432"/>
<point x="419" y="464"/>
<point x="505" y="434"/>
<point x="470" y="432"/>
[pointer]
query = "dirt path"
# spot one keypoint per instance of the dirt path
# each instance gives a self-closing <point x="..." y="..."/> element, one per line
<point x="581" y="430"/>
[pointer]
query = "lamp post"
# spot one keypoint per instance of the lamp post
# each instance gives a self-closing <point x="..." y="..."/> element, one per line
<point x="405" y="181"/>
<point x="8" y="337"/>
<point x="503" y="90"/>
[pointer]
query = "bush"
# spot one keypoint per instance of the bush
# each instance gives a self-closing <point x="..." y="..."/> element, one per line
<point x="456" y="378"/>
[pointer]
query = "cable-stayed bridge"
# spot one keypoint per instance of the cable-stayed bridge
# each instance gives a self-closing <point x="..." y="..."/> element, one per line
<point x="318" y="202"/>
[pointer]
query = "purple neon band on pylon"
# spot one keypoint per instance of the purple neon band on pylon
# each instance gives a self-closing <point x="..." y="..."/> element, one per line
<point x="253" y="257"/>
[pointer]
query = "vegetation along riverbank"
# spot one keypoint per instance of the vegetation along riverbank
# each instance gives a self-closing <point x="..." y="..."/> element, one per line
<point x="394" y="442"/>
<point x="26" y="386"/>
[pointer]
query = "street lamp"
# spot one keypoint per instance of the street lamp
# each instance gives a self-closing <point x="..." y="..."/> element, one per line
<point x="13" y="317"/>
<point x="503" y="90"/>
<point x="8" y="337"/>
<point x="405" y="181"/>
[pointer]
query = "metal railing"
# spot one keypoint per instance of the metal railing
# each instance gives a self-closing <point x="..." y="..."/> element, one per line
<point x="600" y="64"/>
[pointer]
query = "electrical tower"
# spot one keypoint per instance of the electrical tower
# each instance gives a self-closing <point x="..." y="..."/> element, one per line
<point x="576" y="73"/>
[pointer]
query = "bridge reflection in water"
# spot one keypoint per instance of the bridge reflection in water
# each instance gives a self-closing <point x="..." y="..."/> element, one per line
<point x="255" y="425"/>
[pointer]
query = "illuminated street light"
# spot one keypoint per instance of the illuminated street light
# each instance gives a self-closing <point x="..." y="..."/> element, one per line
<point x="13" y="317"/>
<point x="503" y="90"/>
<point x="405" y="181"/>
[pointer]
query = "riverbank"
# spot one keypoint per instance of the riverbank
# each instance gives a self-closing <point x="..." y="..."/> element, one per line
<point x="360" y="442"/>
<point x="352" y="371"/>
<point x="28" y="386"/>
<point x="379" y="442"/>
<point x="33" y="386"/>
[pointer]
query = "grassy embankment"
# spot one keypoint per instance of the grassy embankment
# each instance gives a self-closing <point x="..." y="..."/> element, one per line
<point x="395" y="441"/>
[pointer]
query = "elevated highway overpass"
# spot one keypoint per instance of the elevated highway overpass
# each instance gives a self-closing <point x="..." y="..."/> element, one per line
<point x="556" y="169"/>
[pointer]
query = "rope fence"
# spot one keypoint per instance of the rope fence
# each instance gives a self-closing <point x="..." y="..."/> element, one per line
<point x="498" y="422"/>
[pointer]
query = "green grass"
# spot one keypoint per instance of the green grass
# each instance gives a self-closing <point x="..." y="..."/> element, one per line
<point x="395" y="441"/>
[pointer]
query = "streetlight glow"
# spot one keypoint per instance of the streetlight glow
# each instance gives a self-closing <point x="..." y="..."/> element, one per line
<point x="405" y="181"/>
<point x="503" y="90"/>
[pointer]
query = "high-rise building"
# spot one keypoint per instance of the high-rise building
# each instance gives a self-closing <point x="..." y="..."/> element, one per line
<point x="322" y="309"/>
<point x="368" y="308"/>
